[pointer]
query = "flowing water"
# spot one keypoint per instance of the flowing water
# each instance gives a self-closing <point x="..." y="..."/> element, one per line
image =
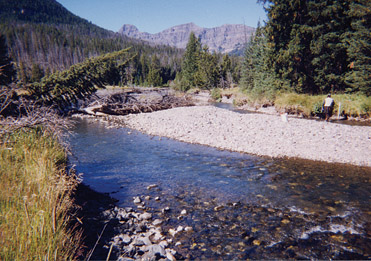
<point x="239" y="206"/>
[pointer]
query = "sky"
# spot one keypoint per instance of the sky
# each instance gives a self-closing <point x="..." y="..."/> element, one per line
<point x="154" y="16"/>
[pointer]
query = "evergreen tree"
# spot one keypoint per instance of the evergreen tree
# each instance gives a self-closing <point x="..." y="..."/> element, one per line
<point x="320" y="46"/>
<point x="7" y="70"/>
<point x="207" y="74"/>
<point x="22" y="73"/>
<point x="36" y="73"/>
<point x="358" y="41"/>
<point x="289" y="43"/>
<point x="63" y="89"/>
<point x="226" y="72"/>
<point x="190" y="62"/>
<point x="328" y="25"/>
<point x="154" y="77"/>
<point x="258" y="77"/>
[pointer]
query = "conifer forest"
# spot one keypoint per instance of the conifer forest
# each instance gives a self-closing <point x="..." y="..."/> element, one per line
<point x="310" y="47"/>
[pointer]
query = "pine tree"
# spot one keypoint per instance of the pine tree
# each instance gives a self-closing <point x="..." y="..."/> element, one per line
<point x="320" y="46"/>
<point x="154" y="77"/>
<point x="328" y="25"/>
<point x="190" y="62"/>
<point x="207" y="74"/>
<point x="226" y="72"/>
<point x="258" y="78"/>
<point x="22" y="73"/>
<point x="36" y="73"/>
<point x="358" y="42"/>
<point x="289" y="43"/>
<point x="63" y="89"/>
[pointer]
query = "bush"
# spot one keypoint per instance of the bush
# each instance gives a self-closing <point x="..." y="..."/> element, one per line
<point x="216" y="94"/>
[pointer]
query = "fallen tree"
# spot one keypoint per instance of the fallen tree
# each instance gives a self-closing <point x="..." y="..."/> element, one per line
<point x="136" y="101"/>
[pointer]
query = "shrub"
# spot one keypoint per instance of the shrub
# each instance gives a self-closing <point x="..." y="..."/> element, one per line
<point x="216" y="94"/>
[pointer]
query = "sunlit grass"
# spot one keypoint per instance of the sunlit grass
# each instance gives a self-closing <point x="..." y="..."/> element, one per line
<point x="354" y="105"/>
<point x="34" y="199"/>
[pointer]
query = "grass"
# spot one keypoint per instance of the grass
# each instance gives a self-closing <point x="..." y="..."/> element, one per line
<point x="353" y="105"/>
<point x="35" y="199"/>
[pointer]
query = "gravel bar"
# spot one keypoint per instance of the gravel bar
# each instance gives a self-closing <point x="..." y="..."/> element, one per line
<point x="259" y="134"/>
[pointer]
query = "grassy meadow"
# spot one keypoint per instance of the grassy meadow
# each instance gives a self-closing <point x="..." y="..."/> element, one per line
<point x="35" y="201"/>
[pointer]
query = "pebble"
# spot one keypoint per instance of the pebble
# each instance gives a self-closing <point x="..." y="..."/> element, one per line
<point x="141" y="238"/>
<point x="157" y="222"/>
<point x="211" y="126"/>
<point x="152" y="186"/>
<point x="145" y="216"/>
<point x="137" y="200"/>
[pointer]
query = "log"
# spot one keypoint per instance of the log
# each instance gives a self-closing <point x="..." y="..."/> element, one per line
<point x="125" y="103"/>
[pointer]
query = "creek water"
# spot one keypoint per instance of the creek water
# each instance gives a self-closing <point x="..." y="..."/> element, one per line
<point x="239" y="206"/>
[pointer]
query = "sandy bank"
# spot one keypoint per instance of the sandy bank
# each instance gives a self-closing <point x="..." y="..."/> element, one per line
<point x="259" y="134"/>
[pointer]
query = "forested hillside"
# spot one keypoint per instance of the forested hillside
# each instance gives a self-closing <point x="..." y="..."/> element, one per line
<point x="44" y="37"/>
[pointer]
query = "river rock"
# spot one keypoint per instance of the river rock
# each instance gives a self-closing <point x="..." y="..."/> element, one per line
<point x="188" y="229"/>
<point x="137" y="200"/>
<point x="211" y="126"/>
<point x="156" y="237"/>
<point x="172" y="232"/>
<point x="218" y="208"/>
<point x="152" y="186"/>
<point x="145" y="216"/>
<point x="157" y="222"/>
<point x="126" y="239"/>
<point x="170" y="256"/>
<point x="156" y="250"/>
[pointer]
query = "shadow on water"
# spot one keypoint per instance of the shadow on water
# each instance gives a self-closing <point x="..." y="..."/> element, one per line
<point x="240" y="206"/>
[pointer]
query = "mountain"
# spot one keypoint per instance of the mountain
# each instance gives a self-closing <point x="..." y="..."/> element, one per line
<point x="225" y="39"/>
<point x="42" y="35"/>
<point x="35" y="11"/>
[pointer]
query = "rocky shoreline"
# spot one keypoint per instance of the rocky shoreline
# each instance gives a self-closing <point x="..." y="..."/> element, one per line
<point x="259" y="134"/>
<point x="143" y="232"/>
<point x="126" y="233"/>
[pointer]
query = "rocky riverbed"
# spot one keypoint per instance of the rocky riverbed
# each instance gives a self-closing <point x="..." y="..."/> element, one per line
<point x="189" y="225"/>
<point x="259" y="134"/>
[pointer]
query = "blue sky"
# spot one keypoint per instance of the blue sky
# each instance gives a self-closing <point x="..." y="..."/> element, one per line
<point x="154" y="16"/>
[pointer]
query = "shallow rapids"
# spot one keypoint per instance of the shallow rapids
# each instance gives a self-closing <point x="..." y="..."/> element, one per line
<point x="239" y="206"/>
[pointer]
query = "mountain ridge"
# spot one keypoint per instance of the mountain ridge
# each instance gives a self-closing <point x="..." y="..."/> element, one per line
<point x="226" y="38"/>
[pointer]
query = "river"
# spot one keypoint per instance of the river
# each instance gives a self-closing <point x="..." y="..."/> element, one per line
<point x="240" y="206"/>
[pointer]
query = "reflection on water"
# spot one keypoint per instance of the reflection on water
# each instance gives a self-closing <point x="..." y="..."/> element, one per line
<point x="269" y="205"/>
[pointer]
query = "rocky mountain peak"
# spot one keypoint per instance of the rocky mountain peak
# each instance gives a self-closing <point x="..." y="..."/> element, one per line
<point x="225" y="39"/>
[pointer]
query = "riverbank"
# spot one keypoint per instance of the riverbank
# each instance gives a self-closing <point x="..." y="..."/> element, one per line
<point x="36" y="205"/>
<point x="259" y="134"/>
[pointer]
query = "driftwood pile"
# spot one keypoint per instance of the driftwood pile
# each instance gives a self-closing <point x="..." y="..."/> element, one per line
<point x="124" y="103"/>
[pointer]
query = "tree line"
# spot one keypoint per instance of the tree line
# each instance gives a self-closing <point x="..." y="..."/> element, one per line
<point x="205" y="70"/>
<point x="42" y="49"/>
<point x="310" y="47"/>
<point x="305" y="47"/>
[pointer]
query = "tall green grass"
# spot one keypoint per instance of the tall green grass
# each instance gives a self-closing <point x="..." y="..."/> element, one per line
<point x="35" y="199"/>
<point x="354" y="105"/>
